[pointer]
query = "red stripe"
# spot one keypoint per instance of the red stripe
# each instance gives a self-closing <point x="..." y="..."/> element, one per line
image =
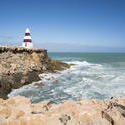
<point x="27" y="34"/>
<point x="27" y="40"/>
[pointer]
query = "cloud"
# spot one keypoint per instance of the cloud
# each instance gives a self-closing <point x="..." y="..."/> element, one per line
<point x="8" y="39"/>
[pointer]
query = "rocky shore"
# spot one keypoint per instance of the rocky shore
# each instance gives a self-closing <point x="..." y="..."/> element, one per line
<point x="19" y="111"/>
<point x="20" y="66"/>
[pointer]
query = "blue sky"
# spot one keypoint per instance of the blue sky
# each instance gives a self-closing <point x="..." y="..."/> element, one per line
<point x="65" y="25"/>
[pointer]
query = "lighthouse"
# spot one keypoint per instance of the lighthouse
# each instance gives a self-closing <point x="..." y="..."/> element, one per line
<point x="27" y="42"/>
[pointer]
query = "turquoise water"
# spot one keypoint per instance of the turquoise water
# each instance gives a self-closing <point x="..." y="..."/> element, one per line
<point x="95" y="75"/>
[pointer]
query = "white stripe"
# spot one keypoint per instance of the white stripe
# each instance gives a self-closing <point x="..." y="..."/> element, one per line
<point x="27" y="37"/>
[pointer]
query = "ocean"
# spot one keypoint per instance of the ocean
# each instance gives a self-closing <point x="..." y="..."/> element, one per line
<point x="94" y="76"/>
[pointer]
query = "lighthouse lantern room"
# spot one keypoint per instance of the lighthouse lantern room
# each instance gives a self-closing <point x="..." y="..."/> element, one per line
<point x="27" y="42"/>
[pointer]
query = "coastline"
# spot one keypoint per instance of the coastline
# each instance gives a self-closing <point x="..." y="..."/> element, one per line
<point x="21" y="66"/>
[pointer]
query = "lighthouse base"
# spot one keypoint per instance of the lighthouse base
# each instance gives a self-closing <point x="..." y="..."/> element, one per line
<point x="27" y="45"/>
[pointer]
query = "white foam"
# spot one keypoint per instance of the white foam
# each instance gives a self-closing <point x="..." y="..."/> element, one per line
<point x="81" y="80"/>
<point x="79" y="63"/>
<point x="85" y="63"/>
<point x="87" y="80"/>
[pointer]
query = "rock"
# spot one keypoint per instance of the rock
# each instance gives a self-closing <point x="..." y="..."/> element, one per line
<point x="55" y="81"/>
<point x="38" y="84"/>
<point x="5" y="112"/>
<point x="48" y="78"/>
<point x="107" y="117"/>
<point x="82" y="112"/>
<point x="41" y="77"/>
<point x="21" y="66"/>
<point x="44" y="68"/>
<point x="20" y="114"/>
<point x="64" y="119"/>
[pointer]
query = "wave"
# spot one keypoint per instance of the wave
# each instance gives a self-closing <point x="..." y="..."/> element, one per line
<point x="83" y="79"/>
<point x="83" y="63"/>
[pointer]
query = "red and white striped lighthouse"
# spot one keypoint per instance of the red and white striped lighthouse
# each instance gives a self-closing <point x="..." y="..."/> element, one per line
<point x="27" y="42"/>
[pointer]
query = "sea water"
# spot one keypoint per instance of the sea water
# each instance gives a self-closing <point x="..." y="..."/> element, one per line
<point x="94" y="76"/>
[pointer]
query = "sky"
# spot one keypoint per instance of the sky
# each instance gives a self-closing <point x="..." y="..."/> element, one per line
<point x="65" y="25"/>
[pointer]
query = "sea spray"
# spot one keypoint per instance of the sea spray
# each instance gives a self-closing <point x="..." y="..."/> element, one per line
<point x="83" y="80"/>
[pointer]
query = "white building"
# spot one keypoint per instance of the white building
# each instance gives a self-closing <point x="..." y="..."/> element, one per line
<point x="27" y="42"/>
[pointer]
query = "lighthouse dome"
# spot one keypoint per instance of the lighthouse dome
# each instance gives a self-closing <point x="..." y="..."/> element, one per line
<point x="27" y="30"/>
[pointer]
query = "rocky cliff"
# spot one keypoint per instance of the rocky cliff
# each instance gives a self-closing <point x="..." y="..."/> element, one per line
<point x="20" y="66"/>
<point x="19" y="111"/>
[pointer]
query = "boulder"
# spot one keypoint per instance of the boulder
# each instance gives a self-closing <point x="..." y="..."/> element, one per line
<point x="19" y="111"/>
